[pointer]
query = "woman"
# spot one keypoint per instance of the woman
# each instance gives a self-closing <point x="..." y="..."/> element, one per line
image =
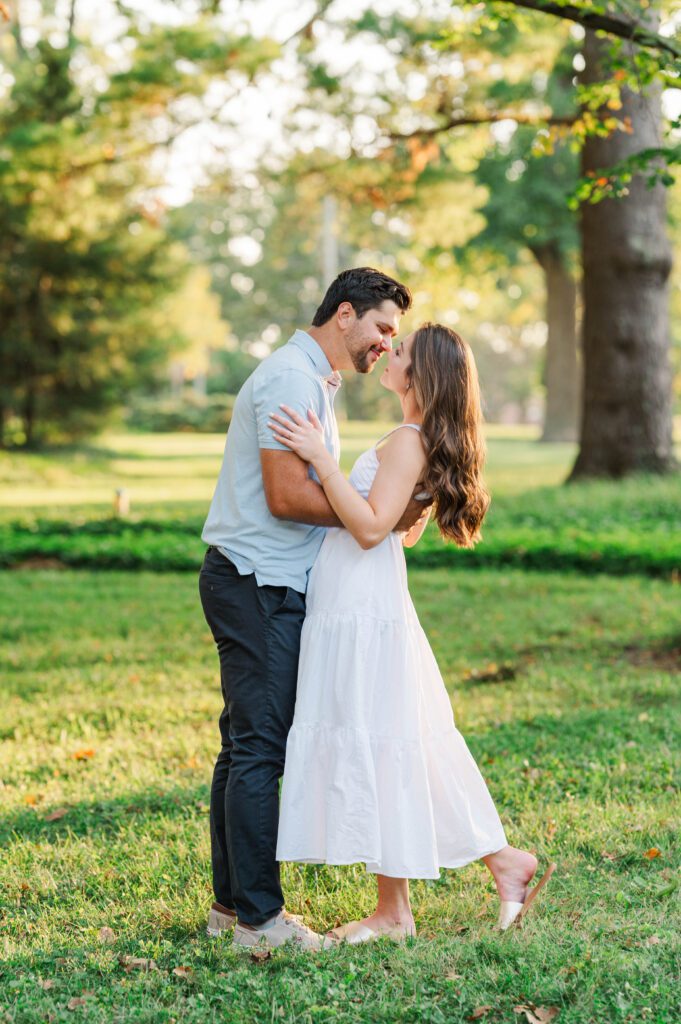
<point x="376" y="770"/>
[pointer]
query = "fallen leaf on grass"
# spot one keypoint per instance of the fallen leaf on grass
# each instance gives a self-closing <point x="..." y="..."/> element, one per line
<point x="452" y="976"/>
<point x="45" y="984"/>
<point x="258" y="956"/>
<point x="137" y="963"/>
<point x="537" y="1014"/>
<point x="74" y="1003"/>
<point x="107" y="934"/>
<point x="653" y="940"/>
<point x="652" y="853"/>
<point x="31" y="799"/>
<point x="184" y="972"/>
<point x="479" y="1012"/>
<point x="56" y="815"/>
<point x="83" y="755"/>
<point x="491" y="673"/>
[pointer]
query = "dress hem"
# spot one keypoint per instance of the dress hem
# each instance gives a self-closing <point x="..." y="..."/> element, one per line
<point x="373" y="868"/>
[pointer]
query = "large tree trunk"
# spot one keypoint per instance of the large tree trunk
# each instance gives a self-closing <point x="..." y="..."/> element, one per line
<point x="626" y="420"/>
<point x="561" y="370"/>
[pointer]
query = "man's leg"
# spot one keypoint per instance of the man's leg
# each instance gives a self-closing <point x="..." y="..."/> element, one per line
<point x="222" y="886"/>
<point x="260" y="719"/>
<point x="257" y="630"/>
<point x="217" y="595"/>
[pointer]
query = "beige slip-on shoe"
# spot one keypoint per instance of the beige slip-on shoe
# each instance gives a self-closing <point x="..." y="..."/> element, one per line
<point x="355" y="932"/>
<point x="511" y="912"/>
<point x="283" y="928"/>
<point x="220" y="920"/>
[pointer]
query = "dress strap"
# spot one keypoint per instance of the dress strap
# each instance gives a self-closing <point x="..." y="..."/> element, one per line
<point x="414" y="426"/>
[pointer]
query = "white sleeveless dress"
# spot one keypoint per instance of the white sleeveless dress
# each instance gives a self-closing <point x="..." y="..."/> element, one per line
<point x="376" y="770"/>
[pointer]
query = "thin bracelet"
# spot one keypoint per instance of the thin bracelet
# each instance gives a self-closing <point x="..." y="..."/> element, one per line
<point x="333" y="473"/>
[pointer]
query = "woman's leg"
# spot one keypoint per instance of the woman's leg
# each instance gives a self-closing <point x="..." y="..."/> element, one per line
<point x="393" y="909"/>
<point x="513" y="871"/>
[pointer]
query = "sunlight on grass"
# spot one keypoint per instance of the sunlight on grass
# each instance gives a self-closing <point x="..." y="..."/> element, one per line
<point x="110" y="697"/>
<point x="182" y="468"/>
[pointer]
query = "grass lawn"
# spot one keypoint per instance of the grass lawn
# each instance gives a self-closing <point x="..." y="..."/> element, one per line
<point x="178" y="471"/>
<point x="564" y="686"/>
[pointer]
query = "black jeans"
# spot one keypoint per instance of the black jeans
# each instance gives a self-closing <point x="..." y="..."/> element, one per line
<point x="257" y="632"/>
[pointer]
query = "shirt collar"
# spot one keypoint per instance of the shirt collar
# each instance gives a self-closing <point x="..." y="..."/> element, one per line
<point x="316" y="355"/>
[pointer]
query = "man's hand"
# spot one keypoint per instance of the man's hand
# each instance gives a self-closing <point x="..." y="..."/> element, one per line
<point x="413" y="513"/>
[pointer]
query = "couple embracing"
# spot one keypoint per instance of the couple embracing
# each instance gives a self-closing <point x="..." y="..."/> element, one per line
<point x="327" y="676"/>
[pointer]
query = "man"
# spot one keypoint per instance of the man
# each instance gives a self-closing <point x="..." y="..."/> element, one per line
<point x="265" y="526"/>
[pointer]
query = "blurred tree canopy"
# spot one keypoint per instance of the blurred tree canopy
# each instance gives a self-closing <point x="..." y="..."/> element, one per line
<point x="86" y="258"/>
<point x="458" y="71"/>
<point x="443" y="153"/>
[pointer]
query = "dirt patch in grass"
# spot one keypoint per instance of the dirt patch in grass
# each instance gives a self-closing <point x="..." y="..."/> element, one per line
<point x="38" y="562"/>
<point x="665" y="656"/>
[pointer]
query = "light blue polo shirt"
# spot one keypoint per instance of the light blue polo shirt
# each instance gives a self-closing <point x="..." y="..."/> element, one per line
<point x="280" y="552"/>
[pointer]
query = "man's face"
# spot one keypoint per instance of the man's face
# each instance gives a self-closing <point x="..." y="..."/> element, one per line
<point x="368" y="337"/>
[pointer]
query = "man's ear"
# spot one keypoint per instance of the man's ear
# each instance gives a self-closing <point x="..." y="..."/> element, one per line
<point x="345" y="315"/>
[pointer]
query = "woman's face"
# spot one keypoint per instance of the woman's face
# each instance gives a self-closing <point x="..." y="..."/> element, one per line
<point x="394" y="376"/>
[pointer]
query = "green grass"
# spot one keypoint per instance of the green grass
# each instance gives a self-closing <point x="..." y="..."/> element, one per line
<point x="564" y="685"/>
<point x="164" y="472"/>
<point x="110" y="697"/>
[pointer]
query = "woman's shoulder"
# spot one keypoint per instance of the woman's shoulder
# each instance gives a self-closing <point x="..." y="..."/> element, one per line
<point x="403" y="442"/>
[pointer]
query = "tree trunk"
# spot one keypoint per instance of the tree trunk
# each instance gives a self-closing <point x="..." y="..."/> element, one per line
<point x="29" y="416"/>
<point x="561" y="370"/>
<point x="627" y="411"/>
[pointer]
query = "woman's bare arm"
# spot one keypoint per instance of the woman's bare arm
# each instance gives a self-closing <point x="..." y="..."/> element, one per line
<point x="414" y="535"/>
<point x="371" y="519"/>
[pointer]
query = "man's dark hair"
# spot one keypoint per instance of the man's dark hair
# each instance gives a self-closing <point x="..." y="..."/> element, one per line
<point x="364" y="288"/>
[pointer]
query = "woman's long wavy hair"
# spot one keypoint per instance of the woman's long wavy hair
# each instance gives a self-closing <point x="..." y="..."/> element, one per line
<point x="445" y="382"/>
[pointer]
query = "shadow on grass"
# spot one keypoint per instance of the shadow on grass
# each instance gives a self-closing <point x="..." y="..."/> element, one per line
<point x="536" y="761"/>
<point x="105" y="817"/>
<point x="662" y="655"/>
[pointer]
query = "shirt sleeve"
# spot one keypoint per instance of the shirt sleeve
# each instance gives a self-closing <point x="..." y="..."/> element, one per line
<point x="290" y="387"/>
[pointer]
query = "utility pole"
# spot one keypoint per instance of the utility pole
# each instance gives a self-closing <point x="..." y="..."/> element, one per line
<point x="330" y="268"/>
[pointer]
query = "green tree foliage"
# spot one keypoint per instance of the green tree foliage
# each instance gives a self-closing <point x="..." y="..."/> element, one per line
<point x="85" y="255"/>
<point x="527" y="207"/>
<point x="81" y="269"/>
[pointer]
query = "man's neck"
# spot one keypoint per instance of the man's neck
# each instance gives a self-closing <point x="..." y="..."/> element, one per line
<point x="331" y="346"/>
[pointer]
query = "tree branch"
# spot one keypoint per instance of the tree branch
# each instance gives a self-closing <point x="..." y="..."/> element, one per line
<point x="305" y="31"/>
<point x="494" y="118"/>
<point x="613" y="24"/>
<point x="72" y="22"/>
<point x="16" y="28"/>
<point x="149" y="147"/>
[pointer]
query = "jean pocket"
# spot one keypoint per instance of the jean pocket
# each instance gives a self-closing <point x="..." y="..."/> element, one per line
<point x="281" y="600"/>
<point x="215" y="564"/>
